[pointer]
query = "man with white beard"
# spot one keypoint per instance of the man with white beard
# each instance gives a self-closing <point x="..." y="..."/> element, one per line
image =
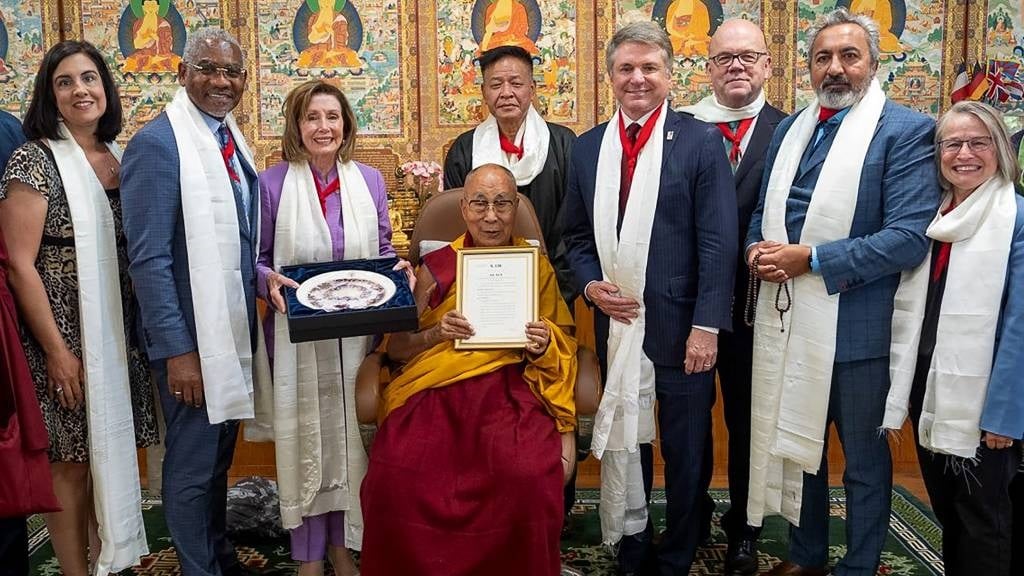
<point x="849" y="189"/>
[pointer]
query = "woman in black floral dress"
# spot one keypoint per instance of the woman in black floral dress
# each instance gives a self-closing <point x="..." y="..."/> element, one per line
<point x="74" y="94"/>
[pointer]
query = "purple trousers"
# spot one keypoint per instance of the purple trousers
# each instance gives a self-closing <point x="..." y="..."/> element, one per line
<point x="310" y="540"/>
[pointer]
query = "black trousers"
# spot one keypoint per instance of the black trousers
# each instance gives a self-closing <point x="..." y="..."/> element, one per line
<point x="1017" y="497"/>
<point x="13" y="547"/>
<point x="735" y="366"/>
<point x="972" y="501"/>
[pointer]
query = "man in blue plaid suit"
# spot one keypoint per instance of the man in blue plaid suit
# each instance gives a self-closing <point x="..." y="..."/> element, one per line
<point x="850" y="187"/>
<point x="200" y="439"/>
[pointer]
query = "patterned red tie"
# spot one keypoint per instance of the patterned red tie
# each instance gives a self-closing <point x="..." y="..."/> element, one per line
<point x="627" y="168"/>
<point x="227" y="151"/>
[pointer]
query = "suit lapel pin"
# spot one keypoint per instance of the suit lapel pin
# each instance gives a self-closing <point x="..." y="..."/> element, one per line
<point x="670" y="134"/>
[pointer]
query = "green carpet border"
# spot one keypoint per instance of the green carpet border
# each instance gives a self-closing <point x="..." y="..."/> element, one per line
<point x="912" y="528"/>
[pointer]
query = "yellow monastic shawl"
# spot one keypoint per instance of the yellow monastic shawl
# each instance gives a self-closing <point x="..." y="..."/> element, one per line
<point x="551" y="376"/>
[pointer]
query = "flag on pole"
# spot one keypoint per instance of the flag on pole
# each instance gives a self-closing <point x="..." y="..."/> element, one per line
<point x="979" y="83"/>
<point x="1003" y="84"/>
<point x="960" y="84"/>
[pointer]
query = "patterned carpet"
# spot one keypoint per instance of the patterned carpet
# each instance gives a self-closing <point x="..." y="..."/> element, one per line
<point x="910" y="550"/>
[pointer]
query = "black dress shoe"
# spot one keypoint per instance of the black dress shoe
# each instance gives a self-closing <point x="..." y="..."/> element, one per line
<point x="243" y="570"/>
<point x="741" y="557"/>
<point x="567" y="526"/>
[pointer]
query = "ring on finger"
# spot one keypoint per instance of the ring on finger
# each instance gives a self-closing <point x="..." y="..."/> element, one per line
<point x="58" y="389"/>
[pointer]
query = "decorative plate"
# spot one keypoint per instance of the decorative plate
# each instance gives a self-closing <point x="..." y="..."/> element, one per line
<point x="345" y="290"/>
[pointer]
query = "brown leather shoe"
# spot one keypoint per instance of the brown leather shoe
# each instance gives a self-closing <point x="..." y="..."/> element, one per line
<point x="787" y="568"/>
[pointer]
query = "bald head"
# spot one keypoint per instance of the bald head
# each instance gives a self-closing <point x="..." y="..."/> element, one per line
<point x="736" y="83"/>
<point x="738" y="30"/>
<point x="488" y="204"/>
<point x="492" y="171"/>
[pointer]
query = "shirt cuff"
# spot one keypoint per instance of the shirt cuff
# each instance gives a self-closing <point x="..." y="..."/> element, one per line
<point x="706" y="329"/>
<point x="746" y="251"/>
<point x="585" y="297"/>
<point x="815" y="265"/>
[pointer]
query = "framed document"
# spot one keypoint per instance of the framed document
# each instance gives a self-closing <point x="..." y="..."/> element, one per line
<point x="497" y="293"/>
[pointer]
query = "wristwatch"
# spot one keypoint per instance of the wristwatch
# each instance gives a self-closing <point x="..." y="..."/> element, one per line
<point x="810" y="260"/>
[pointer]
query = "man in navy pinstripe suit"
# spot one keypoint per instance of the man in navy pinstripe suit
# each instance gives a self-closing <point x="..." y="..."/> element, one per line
<point x="895" y="200"/>
<point x="673" y="201"/>
<point x="198" y="453"/>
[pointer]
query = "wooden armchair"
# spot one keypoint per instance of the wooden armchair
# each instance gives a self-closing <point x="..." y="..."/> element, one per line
<point x="440" y="220"/>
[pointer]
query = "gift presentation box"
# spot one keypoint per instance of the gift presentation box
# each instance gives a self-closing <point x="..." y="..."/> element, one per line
<point x="397" y="314"/>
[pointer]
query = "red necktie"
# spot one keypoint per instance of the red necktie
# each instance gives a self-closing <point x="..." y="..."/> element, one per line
<point x="735" y="137"/>
<point x="633" y="140"/>
<point x="227" y="150"/>
<point x="324" y="191"/>
<point x="509" y="147"/>
<point x="825" y="113"/>
<point x="942" y="258"/>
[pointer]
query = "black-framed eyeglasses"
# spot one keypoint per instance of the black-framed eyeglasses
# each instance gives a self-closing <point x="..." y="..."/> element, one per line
<point x="748" y="58"/>
<point x="953" y="145"/>
<point x="211" y="69"/>
<point x="501" y="207"/>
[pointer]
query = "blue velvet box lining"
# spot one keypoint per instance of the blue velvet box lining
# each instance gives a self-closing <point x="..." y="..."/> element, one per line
<point x="397" y="314"/>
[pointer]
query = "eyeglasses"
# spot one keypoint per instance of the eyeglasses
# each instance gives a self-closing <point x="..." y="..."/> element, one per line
<point x="724" y="60"/>
<point x="953" y="146"/>
<point x="501" y="207"/>
<point x="209" y="69"/>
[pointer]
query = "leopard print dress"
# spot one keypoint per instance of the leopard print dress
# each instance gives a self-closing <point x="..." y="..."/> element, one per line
<point x="32" y="164"/>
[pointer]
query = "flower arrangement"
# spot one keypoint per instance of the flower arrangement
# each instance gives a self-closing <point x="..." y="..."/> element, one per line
<point x="424" y="173"/>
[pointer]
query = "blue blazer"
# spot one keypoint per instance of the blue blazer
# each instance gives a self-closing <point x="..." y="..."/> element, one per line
<point x="11" y="137"/>
<point x="1004" y="405"/>
<point x="691" y="263"/>
<point x="158" y="256"/>
<point x="898" y="197"/>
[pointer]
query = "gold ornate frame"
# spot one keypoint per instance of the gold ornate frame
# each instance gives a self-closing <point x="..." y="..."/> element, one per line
<point x="532" y="256"/>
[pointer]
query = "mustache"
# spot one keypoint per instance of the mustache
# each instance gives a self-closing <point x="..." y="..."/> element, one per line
<point x="830" y="81"/>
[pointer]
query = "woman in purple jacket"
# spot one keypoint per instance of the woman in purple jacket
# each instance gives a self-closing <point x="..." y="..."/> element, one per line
<point x="318" y="205"/>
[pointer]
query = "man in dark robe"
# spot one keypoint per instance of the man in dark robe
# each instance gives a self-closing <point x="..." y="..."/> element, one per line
<point x="515" y="136"/>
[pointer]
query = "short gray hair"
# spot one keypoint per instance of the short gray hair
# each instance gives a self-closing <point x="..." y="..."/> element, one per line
<point x="642" y="32"/>
<point x="1006" y="158"/>
<point x="210" y="35"/>
<point x="843" y="16"/>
